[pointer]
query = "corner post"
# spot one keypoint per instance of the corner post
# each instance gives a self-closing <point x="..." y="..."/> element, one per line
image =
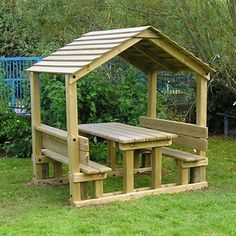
<point x="152" y="107"/>
<point x="73" y="136"/>
<point x="199" y="173"/>
<point x="40" y="171"/>
<point x="152" y="87"/>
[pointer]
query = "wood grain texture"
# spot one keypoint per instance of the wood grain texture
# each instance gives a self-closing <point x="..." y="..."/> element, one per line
<point x="124" y="133"/>
<point x="128" y="171"/>
<point x="176" y="127"/>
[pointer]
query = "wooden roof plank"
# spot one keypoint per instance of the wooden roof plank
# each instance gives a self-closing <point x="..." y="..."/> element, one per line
<point x="63" y="63"/>
<point x="47" y="69"/>
<point x="71" y="58"/>
<point x="90" y="47"/>
<point x="106" y="37"/>
<point x="117" y="31"/>
<point x="101" y="41"/>
<point x="80" y="52"/>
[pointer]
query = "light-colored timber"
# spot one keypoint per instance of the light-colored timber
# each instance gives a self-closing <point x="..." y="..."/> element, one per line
<point x="137" y="194"/>
<point x="191" y="165"/>
<point x="151" y="52"/>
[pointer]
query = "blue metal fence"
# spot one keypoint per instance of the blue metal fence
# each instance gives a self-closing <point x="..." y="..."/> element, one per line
<point x="14" y="85"/>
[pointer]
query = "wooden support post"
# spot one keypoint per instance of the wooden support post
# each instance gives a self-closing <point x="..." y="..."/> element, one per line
<point x="40" y="171"/>
<point x="73" y="136"/>
<point x="136" y="159"/>
<point x="84" y="190"/>
<point x="156" y="167"/>
<point x="198" y="173"/>
<point x="183" y="174"/>
<point x="152" y="90"/>
<point x="57" y="169"/>
<point x="111" y="150"/>
<point x="98" y="188"/>
<point x="146" y="159"/>
<point x="128" y="168"/>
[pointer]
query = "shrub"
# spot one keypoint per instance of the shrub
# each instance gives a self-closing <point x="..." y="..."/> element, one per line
<point x="15" y="133"/>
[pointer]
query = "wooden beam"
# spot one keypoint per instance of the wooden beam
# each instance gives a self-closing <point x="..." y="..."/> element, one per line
<point x="201" y="101"/>
<point x="156" y="167"/>
<point x="177" y="53"/>
<point x="145" y="52"/>
<point x="199" y="173"/>
<point x="40" y="171"/>
<point x="111" y="151"/>
<point x="152" y="91"/>
<point x="128" y="168"/>
<point x="107" y="56"/>
<point x="165" y="189"/>
<point x="73" y="137"/>
<point x="176" y="127"/>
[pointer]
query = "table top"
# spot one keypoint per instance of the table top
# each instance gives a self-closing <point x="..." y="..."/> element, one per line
<point x="123" y="133"/>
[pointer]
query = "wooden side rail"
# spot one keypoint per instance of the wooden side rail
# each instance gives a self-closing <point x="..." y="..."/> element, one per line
<point x="48" y="131"/>
<point x="189" y="135"/>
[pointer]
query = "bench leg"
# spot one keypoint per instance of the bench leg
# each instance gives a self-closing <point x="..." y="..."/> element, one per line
<point x="98" y="188"/>
<point x="111" y="154"/>
<point x="202" y="173"/>
<point x="156" y="167"/>
<point x="197" y="174"/>
<point x="183" y="174"/>
<point x="57" y="169"/>
<point x="84" y="190"/>
<point x="45" y="170"/>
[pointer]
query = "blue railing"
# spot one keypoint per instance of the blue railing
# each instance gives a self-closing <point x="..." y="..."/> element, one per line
<point x="14" y="85"/>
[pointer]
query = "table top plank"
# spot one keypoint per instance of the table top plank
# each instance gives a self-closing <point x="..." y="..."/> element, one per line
<point x="145" y="131"/>
<point x="123" y="133"/>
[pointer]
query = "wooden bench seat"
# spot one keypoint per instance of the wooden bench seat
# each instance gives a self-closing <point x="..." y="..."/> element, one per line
<point x="182" y="156"/>
<point x="90" y="168"/>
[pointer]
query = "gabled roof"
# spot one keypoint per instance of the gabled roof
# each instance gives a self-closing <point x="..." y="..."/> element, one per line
<point x="144" y="47"/>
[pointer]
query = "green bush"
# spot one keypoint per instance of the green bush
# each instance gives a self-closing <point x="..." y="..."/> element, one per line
<point x="107" y="94"/>
<point x="15" y="133"/>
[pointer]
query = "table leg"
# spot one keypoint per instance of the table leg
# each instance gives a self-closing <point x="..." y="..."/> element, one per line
<point x="111" y="150"/>
<point x="128" y="168"/>
<point x="156" y="167"/>
<point x="136" y="159"/>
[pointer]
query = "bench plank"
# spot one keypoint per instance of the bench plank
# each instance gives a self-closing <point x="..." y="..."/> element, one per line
<point x="182" y="156"/>
<point x="91" y="168"/>
<point x="185" y="129"/>
<point x="99" y="167"/>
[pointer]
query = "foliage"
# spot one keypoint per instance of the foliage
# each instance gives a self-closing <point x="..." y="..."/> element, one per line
<point x="114" y="92"/>
<point x="15" y="133"/>
<point x="29" y="210"/>
<point x="53" y="101"/>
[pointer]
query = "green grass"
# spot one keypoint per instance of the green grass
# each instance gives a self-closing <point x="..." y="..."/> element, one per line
<point x="28" y="210"/>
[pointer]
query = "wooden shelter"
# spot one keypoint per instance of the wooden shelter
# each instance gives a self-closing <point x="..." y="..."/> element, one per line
<point x="150" y="51"/>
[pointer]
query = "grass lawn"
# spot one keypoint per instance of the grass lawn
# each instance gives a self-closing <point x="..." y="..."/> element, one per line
<point x="27" y="210"/>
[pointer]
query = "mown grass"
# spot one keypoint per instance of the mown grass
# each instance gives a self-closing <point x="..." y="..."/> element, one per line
<point x="28" y="210"/>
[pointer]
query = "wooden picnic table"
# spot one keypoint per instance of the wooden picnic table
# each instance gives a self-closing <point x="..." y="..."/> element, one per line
<point x="129" y="138"/>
